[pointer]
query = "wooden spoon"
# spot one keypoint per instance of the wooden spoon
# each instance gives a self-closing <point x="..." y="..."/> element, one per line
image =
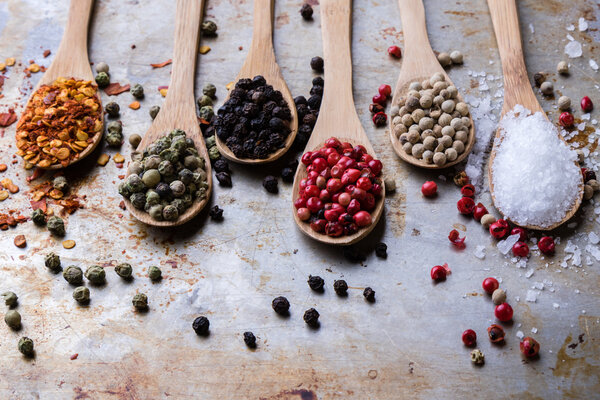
<point x="261" y="61"/>
<point x="71" y="61"/>
<point x="179" y="108"/>
<point x="337" y="116"/>
<point x="517" y="89"/>
<point x="419" y="63"/>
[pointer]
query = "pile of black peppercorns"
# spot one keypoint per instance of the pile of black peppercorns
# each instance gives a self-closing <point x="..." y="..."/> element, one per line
<point x="308" y="111"/>
<point x="254" y="121"/>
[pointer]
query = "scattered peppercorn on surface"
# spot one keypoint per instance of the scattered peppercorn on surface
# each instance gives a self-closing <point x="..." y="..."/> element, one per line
<point x="226" y="273"/>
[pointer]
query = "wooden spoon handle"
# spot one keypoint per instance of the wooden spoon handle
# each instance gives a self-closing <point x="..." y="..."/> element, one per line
<point x="517" y="89"/>
<point x="75" y="34"/>
<point x="262" y="29"/>
<point x="414" y="30"/>
<point x="185" y="53"/>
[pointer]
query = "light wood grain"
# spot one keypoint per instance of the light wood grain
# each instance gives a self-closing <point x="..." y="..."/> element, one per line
<point x="261" y="61"/>
<point x="179" y="108"/>
<point x="71" y="61"/>
<point x="337" y="116"/>
<point x="517" y="89"/>
<point x="419" y="62"/>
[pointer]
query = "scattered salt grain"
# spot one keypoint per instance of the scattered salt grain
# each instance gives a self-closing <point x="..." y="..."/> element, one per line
<point x="573" y="49"/>
<point x="570" y="37"/>
<point x="556" y="305"/>
<point x="479" y="252"/>
<point x="547" y="183"/>
<point x="520" y="335"/>
<point x="593" y="238"/>
<point x="529" y="273"/>
<point x="531" y="28"/>
<point x="534" y="330"/>
<point x="583" y="25"/>
<point x="594" y="65"/>
<point x="504" y="246"/>
<point x="571" y="27"/>
<point x="531" y="296"/>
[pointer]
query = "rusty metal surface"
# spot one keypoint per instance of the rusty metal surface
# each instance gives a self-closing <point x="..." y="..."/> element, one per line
<point x="406" y="345"/>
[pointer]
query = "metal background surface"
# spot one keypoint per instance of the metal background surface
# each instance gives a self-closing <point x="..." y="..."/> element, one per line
<point x="407" y="344"/>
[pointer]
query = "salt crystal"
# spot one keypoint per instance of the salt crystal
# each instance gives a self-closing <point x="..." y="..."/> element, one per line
<point x="479" y="252"/>
<point x="555" y="305"/>
<point x="594" y="65"/>
<point x="585" y="116"/>
<point x="529" y="273"/>
<point x="577" y="291"/>
<point x="594" y="251"/>
<point x="442" y="178"/>
<point x="520" y="335"/>
<point x="581" y="126"/>
<point x="570" y="37"/>
<point x="571" y="27"/>
<point x="534" y="330"/>
<point x="538" y="285"/>
<point x="504" y="246"/>
<point x="573" y="49"/>
<point x="593" y="238"/>
<point x="583" y="25"/>
<point x="547" y="184"/>
<point x="531" y="28"/>
<point x="583" y="311"/>
<point x="531" y="296"/>
<point x="517" y="299"/>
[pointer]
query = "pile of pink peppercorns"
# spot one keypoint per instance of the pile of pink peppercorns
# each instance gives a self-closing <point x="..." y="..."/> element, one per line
<point x="384" y="93"/>
<point x="341" y="189"/>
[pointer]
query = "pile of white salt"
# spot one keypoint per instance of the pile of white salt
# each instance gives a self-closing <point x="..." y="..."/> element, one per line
<point x="535" y="175"/>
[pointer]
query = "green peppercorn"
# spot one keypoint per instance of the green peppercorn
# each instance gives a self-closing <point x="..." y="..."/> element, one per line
<point x="112" y="109"/>
<point x="134" y="184"/>
<point x="124" y="270"/>
<point x="140" y="301"/>
<point x="166" y="168"/>
<point x="151" y="178"/>
<point x="114" y="127"/>
<point x="137" y="91"/>
<point x="153" y="111"/>
<point x="52" y="262"/>
<point x="156" y="212"/>
<point x="96" y="275"/>
<point x="209" y="28"/>
<point x="114" y="139"/>
<point x="123" y="191"/>
<point x="13" y="319"/>
<point x="177" y="188"/>
<point x="213" y="153"/>
<point x="60" y="183"/>
<point x="134" y="140"/>
<point x="25" y="346"/>
<point x="81" y="295"/>
<point x="154" y="273"/>
<point x="204" y="101"/>
<point x="38" y="217"/>
<point x="10" y="299"/>
<point x="138" y="200"/>
<point x="209" y="90"/>
<point x="73" y="274"/>
<point x="210" y="142"/>
<point x="56" y="226"/>
<point x="170" y="213"/>
<point x="206" y="113"/>
<point x="102" y="79"/>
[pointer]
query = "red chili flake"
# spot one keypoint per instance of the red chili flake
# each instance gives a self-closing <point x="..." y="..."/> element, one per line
<point x="119" y="165"/>
<point x="8" y="118"/>
<point x="115" y="88"/>
<point x="36" y="174"/>
<point x="162" y="87"/>
<point x="74" y="356"/>
<point x="172" y="263"/>
<point x="47" y="53"/>
<point x="40" y="204"/>
<point x="456" y="240"/>
<point x="122" y="205"/>
<point x="162" y="64"/>
<point x="121" y="176"/>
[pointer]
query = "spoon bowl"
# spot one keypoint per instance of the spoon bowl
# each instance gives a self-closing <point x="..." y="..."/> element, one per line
<point x="420" y="63"/>
<point x="179" y="108"/>
<point x="71" y="61"/>
<point x="337" y="115"/>
<point x="517" y="89"/>
<point x="261" y="61"/>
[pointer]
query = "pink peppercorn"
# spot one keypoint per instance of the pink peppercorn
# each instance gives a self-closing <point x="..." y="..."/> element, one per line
<point x="586" y="104"/>
<point x="499" y="229"/>
<point x="479" y="211"/>
<point x="546" y="245"/>
<point x="566" y="119"/>
<point x="385" y="90"/>
<point x="438" y="273"/>
<point x="469" y="337"/>
<point x="468" y="190"/>
<point x="394" y="51"/>
<point x="520" y="249"/>
<point x="429" y="189"/>
<point x="465" y="206"/>
<point x="379" y="99"/>
<point x="522" y="232"/>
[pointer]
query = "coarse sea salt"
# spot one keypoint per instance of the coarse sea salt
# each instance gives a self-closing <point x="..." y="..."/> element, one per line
<point x="573" y="49"/>
<point x="534" y="173"/>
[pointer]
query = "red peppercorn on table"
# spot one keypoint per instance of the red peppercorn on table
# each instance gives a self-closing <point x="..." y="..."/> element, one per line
<point x="230" y="271"/>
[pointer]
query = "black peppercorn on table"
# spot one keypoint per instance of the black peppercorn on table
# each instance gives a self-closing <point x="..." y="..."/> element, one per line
<point x="404" y="344"/>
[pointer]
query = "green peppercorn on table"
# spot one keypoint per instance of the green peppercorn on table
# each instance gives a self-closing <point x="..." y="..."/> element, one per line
<point x="406" y="344"/>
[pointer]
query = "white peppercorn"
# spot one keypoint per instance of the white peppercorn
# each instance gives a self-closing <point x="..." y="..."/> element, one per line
<point x="456" y="57"/>
<point x="445" y="119"/>
<point x="446" y="141"/>
<point x="415" y="86"/>
<point x="417" y="150"/>
<point x="487" y="220"/>
<point x="102" y="67"/>
<point x="427" y="133"/>
<point x="394" y="110"/>
<point x="564" y="103"/>
<point x="439" y="159"/>
<point x="499" y="295"/>
<point x="562" y="68"/>
<point x="448" y="106"/>
<point x="451" y="154"/>
<point x="444" y="59"/>
<point x="407" y="147"/>
<point x="407" y="120"/>
<point x="462" y="108"/>
<point x="445" y="94"/>
<point x="426" y="123"/>
<point x="594" y="184"/>
<point x="417" y="115"/>
<point x="390" y="185"/>
<point x="428" y="156"/>
<point x="462" y="136"/>
<point x="457" y="124"/>
<point x="452" y="91"/>
<point x="466" y="122"/>
<point x="434" y="79"/>
<point x="426" y="101"/>
<point x="458" y="146"/>
<point x="547" y="88"/>
<point x="399" y="129"/>
<point x="429" y="143"/>
<point x="437" y="131"/>
<point x="425" y="84"/>
<point x="414" y="93"/>
<point x="438" y="100"/>
<point x="588" y="192"/>
<point x="413" y="136"/>
<point x="448" y="131"/>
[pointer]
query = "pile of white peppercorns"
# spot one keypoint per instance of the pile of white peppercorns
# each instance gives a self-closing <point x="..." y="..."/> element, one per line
<point x="430" y="122"/>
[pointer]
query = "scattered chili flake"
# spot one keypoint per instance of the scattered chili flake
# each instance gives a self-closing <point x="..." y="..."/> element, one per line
<point x="39" y="204"/>
<point x="229" y="85"/>
<point x="118" y="158"/>
<point x="20" y="241"/>
<point x="103" y="159"/>
<point x="74" y="356"/>
<point x="2" y="66"/>
<point x="3" y="167"/>
<point x="68" y="244"/>
<point x="135" y="105"/>
<point x="3" y="195"/>
<point x="162" y="64"/>
<point x="33" y="68"/>
<point x="122" y="205"/>
<point x="204" y="49"/>
<point x="456" y="239"/>
<point x="10" y="61"/>
<point x="47" y="53"/>
<point x="115" y="88"/>
<point x="70" y="204"/>
<point x="163" y="90"/>
<point x="36" y="174"/>
<point x="55" y="194"/>
<point x="8" y="118"/>
<point x="60" y="121"/>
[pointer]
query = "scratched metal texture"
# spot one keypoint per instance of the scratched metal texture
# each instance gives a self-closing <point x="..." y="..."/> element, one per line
<point x="406" y="345"/>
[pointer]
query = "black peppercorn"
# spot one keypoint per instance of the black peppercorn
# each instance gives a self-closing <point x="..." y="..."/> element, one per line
<point x="316" y="283"/>
<point x="112" y="109"/>
<point x="381" y="250"/>
<point x="369" y="294"/>
<point x="299" y="100"/>
<point x="340" y="287"/>
<point x="318" y="81"/>
<point x="314" y="102"/>
<point x="539" y="78"/>
<point x="270" y="183"/>
<point x="287" y="175"/>
<point x="311" y="317"/>
<point x="354" y="255"/>
<point x="224" y="179"/>
<point x="221" y="165"/>
<point x="163" y="189"/>
<point x="316" y="90"/>
<point x="316" y="63"/>
<point x="216" y="213"/>
<point x="376" y="108"/>
<point x="281" y="305"/>
<point x="306" y="11"/>
<point x="250" y="339"/>
<point x="201" y="325"/>
<point x="309" y="119"/>
<point x="589" y="175"/>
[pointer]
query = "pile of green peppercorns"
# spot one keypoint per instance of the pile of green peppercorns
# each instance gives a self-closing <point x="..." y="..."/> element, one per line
<point x="167" y="178"/>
